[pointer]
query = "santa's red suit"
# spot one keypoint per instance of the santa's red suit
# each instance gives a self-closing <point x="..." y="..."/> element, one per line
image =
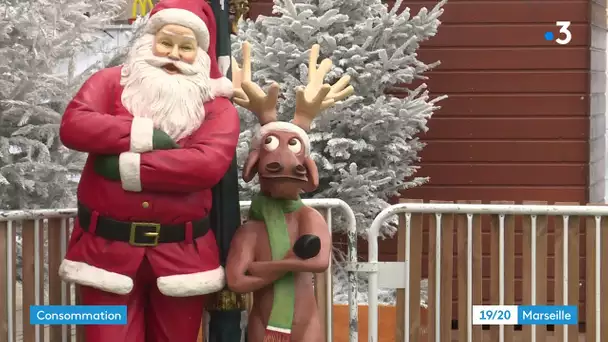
<point x="144" y="241"/>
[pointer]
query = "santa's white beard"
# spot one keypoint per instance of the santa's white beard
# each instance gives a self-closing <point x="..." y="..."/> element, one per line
<point x="173" y="101"/>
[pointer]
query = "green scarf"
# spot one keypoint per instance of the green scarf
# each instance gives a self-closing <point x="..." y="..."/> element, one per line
<point x="272" y="211"/>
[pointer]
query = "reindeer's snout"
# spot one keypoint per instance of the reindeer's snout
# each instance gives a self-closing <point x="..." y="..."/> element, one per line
<point x="283" y="167"/>
<point x="274" y="167"/>
<point x="281" y="162"/>
<point x="300" y="170"/>
<point x="292" y="169"/>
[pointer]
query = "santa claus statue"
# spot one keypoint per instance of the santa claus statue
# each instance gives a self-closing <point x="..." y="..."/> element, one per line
<point x="160" y="132"/>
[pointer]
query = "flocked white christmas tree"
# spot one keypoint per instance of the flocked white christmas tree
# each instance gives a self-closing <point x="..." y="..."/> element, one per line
<point x="366" y="147"/>
<point x="37" y="39"/>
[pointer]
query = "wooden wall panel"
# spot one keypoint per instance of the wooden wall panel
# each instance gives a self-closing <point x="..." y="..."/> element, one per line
<point x="518" y="105"/>
<point x="514" y="105"/>
<point x="498" y="58"/>
<point x="503" y="128"/>
<point x="521" y="151"/>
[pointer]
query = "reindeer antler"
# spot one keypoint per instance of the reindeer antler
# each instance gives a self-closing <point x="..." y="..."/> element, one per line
<point x="317" y="96"/>
<point x="249" y="95"/>
<point x="242" y="74"/>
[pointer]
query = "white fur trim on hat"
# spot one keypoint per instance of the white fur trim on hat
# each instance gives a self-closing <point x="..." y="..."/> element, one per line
<point x="130" y="173"/>
<point x="178" y="16"/>
<point x="87" y="275"/>
<point x="142" y="130"/>
<point x="284" y="127"/>
<point x="221" y="87"/>
<point x="193" y="284"/>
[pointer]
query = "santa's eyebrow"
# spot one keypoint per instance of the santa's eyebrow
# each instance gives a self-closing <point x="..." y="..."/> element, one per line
<point x="187" y="36"/>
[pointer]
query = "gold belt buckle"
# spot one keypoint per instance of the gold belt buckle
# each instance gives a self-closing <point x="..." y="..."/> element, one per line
<point x="151" y="232"/>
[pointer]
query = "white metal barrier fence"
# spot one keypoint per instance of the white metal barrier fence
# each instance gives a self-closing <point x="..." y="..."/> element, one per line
<point x="49" y="230"/>
<point x="397" y="274"/>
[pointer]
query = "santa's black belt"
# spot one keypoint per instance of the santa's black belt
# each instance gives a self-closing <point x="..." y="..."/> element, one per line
<point x="141" y="234"/>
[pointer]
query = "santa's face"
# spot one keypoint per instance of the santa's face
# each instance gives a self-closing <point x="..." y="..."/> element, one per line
<point x="177" y="43"/>
<point x="166" y="79"/>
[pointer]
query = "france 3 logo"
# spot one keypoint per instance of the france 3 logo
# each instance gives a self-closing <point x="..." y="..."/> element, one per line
<point x="564" y="35"/>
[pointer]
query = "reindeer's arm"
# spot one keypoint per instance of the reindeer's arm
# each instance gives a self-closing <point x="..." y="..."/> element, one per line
<point x="199" y="165"/>
<point x="310" y="222"/>
<point x="240" y="257"/>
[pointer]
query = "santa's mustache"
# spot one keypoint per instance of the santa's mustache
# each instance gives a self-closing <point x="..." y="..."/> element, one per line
<point x="184" y="68"/>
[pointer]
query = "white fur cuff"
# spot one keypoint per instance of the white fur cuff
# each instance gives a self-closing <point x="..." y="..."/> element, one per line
<point x="221" y="87"/>
<point x="87" y="275"/>
<point x="129" y="165"/>
<point x="142" y="130"/>
<point x="193" y="284"/>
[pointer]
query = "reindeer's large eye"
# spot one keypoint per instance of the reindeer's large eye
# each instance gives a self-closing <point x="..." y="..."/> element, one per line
<point x="271" y="143"/>
<point x="295" y="145"/>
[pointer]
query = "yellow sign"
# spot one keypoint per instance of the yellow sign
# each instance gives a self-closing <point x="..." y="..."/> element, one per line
<point x="144" y="7"/>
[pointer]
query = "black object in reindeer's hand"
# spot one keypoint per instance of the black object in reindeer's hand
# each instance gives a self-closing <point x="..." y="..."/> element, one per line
<point x="307" y="246"/>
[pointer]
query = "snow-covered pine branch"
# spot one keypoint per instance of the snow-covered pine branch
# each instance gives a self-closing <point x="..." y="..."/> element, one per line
<point x="37" y="38"/>
<point x="366" y="147"/>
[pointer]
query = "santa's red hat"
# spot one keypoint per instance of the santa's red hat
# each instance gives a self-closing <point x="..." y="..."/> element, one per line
<point x="198" y="16"/>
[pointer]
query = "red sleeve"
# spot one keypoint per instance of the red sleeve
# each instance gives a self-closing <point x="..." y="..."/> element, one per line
<point x="88" y="124"/>
<point x="199" y="165"/>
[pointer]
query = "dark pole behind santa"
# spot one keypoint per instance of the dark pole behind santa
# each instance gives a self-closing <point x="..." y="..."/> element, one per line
<point x="160" y="132"/>
<point x="227" y="322"/>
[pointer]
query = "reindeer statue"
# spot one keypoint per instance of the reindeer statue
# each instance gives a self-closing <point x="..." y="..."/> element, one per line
<point x="276" y="252"/>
